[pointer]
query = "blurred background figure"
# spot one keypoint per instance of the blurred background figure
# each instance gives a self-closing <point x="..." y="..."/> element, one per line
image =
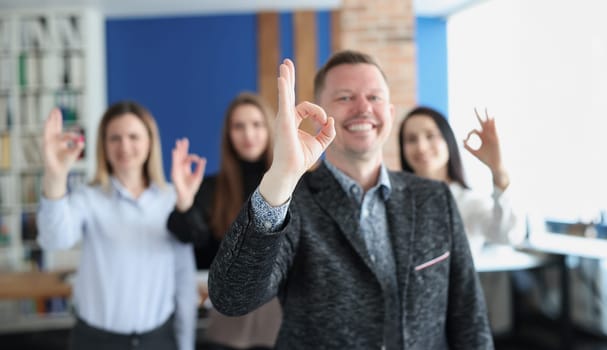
<point x="135" y="285"/>
<point x="429" y="149"/>
<point x="204" y="212"/>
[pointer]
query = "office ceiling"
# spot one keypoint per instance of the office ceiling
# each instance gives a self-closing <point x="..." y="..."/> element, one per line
<point x="128" y="8"/>
<point x="440" y="8"/>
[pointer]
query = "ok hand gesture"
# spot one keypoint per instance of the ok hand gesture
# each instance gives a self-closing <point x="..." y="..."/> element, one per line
<point x="60" y="151"/>
<point x="489" y="151"/>
<point x="295" y="151"/>
<point x="185" y="181"/>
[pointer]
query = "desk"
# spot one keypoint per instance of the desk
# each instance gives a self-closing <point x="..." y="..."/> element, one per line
<point x="496" y="265"/>
<point x="24" y="285"/>
<point x="33" y="285"/>
<point x="563" y="245"/>
<point x="505" y="258"/>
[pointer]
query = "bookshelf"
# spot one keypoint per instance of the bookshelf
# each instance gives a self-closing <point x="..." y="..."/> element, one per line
<point x="48" y="57"/>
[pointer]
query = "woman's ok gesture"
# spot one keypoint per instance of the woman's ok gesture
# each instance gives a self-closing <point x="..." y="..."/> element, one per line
<point x="60" y="151"/>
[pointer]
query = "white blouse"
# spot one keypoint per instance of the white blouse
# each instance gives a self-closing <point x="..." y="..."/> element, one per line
<point x="488" y="219"/>
<point x="132" y="274"/>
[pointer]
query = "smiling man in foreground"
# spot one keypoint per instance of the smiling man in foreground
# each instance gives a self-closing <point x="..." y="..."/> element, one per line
<point x="360" y="257"/>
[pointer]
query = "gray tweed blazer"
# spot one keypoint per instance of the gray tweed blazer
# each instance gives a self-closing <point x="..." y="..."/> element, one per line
<point x="319" y="267"/>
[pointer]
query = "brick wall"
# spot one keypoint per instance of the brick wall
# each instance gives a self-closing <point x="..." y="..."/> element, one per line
<point x="384" y="29"/>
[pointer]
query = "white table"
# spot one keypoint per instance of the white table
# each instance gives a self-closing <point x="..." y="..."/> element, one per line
<point x="504" y="258"/>
<point x="563" y="244"/>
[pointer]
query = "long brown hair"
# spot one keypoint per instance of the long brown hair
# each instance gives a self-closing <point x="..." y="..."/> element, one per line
<point x="455" y="169"/>
<point x="152" y="169"/>
<point x="229" y="189"/>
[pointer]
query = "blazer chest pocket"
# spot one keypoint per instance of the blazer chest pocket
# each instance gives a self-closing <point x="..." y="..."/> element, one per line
<point x="429" y="289"/>
<point x="428" y="295"/>
<point x="432" y="271"/>
<point x="433" y="261"/>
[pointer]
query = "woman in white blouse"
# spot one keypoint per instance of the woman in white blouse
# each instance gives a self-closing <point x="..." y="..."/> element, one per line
<point x="135" y="285"/>
<point x="428" y="148"/>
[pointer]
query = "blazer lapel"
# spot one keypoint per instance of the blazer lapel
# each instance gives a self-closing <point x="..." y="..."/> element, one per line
<point x="400" y="209"/>
<point x="330" y="196"/>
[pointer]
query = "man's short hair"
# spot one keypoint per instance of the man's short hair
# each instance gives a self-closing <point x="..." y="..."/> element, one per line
<point x="339" y="58"/>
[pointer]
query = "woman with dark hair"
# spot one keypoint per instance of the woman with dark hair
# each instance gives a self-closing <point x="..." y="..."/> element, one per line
<point x="136" y="284"/>
<point x="204" y="211"/>
<point x="429" y="149"/>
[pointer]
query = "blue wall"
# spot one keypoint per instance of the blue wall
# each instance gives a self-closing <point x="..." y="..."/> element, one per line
<point x="431" y="43"/>
<point x="187" y="69"/>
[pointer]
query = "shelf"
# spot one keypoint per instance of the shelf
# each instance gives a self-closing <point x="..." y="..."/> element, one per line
<point x="36" y="89"/>
<point x="8" y="209"/>
<point x="38" y="322"/>
<point x="32" y="244"/>
<point x="48" y="57"/>
<point x="52" y="50"/>
<point x="29" y="207"/>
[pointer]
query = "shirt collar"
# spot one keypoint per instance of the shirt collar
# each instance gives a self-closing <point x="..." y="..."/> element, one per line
<point x="123" y="192"/>
<point x="353" y="188"/>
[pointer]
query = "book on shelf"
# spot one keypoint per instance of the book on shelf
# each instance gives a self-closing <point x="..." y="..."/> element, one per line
<point x="36" y="33"/>
<point x="31" y="150"/>
<point x="69" y="33"/>
<point x="31" y="186"/>
<point x="5" y="231"/>
<point x="47" y="103"/>
<point x="4" y="112"/>
<point x="6" y="73"/>
<point x="36" y="104"/>
<point x="4" y="35"/>
<point x="73" y="70"/>
<point x="28" y="109"/>
<point x="33" y="69"/>
<point x="29" y="229"/>
<point x="39" y="70"/>
<point x="6" y="188"/>
<point x="5" y="151"/>
<point x="68" y="100"/>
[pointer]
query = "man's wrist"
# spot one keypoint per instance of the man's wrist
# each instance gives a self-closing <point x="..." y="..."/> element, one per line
<point x="276" y="189"/>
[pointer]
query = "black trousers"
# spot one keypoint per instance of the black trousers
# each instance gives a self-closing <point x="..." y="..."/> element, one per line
<point x="213" y="346"/>
<point x="87" y="337"/>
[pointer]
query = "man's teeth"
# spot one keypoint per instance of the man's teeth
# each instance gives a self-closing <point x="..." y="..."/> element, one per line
<point x="360" y="127"/>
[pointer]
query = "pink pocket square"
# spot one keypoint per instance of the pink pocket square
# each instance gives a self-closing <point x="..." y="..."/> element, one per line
<point x="432" y="262"/>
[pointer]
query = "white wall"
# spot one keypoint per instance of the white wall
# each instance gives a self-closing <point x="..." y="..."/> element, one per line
<point x="540" y="67"/>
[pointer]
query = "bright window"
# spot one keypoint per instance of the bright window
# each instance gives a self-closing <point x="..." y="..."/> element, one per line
<point x="540" y="67"/>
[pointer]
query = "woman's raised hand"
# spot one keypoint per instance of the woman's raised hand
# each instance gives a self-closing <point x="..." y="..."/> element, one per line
<point x="185" y="180"/>
<point x="60" y="151"/>
<point x="489" y="151"/>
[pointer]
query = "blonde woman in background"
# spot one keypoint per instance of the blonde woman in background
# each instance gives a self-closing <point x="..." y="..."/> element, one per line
<point x="135" y="285"/>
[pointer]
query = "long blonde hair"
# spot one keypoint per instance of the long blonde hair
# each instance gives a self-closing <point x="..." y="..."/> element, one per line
<point x="229" y="191"/>
<point x="152" y="168"/>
